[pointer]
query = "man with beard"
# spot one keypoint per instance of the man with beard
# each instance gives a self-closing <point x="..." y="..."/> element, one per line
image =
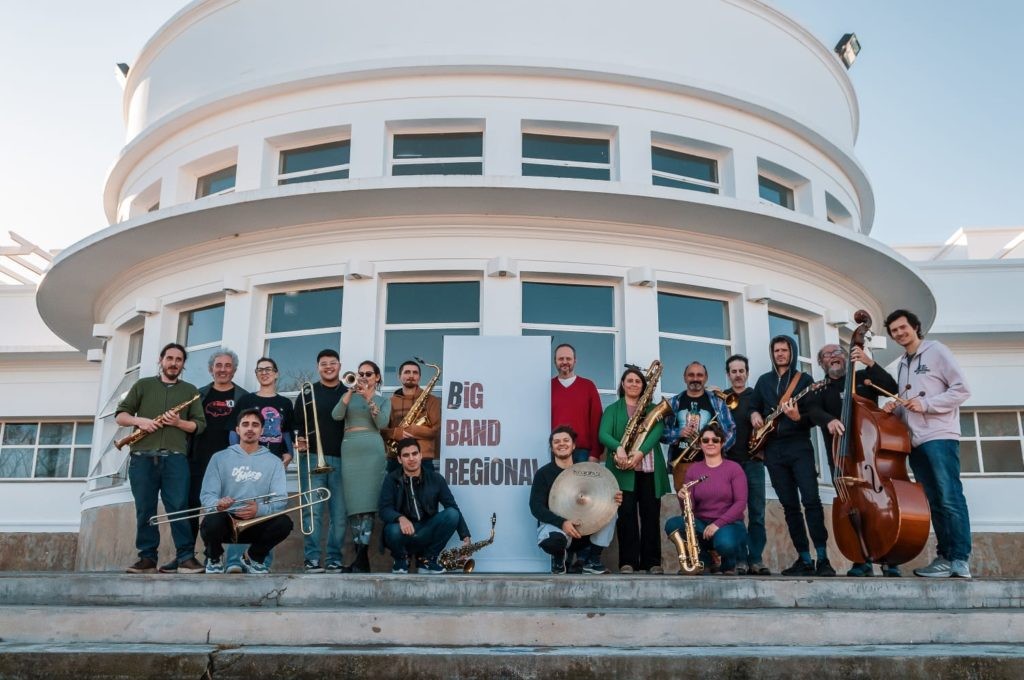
<point x="692" y="409"/>
<point x="789" y="457"/>
<point x="575" y="402"/>
<point x="220" y="408"/>
<point x="158" y="465"/>
<point x="826" y="409"/>
<point x="428" y="435"/>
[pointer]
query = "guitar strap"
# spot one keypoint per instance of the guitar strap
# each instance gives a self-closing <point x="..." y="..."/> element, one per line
<point x="790" y="389"/>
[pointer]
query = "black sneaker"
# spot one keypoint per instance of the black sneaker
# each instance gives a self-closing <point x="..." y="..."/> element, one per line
<point x="800" y="568"/>
<point x="558" y="563"/>
<point x="594" y="566"/>
<point x="334" y="568"/>
<point x="143" y="566"/>
<point x="312" y="567"/>
<point x="169" y="568"/>
<point x="824" y="568"/>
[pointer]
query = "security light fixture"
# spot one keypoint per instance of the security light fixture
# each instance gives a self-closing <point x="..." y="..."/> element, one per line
<point x="848" y="48"/>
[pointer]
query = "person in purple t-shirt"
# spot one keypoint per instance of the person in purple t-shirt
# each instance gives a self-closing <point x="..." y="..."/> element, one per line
<point x="718" y="502"/>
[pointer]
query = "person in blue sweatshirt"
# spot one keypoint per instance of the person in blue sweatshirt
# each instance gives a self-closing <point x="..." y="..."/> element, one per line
<point x="234" y="477"/>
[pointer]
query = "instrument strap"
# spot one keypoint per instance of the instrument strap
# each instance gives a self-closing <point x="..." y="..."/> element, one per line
<point x="789" y="390"/>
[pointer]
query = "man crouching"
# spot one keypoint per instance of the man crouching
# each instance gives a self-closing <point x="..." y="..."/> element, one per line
<point x="235" y="480"/>
<point x="409" y="500"/>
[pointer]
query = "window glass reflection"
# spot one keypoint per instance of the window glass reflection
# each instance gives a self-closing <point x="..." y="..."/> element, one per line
<point x="999" y="424"/>
<point x="304" y="310"/>
<point x="313" y="157"/>
<point x="969" y="457"/>
<point x="570" y="305"/>
<point x="558" y="148"/>
<point x="1002" y="456"/>
<point x="436" y="302"/>
<point x="595" y="354"/>
<point x="296" y="358"/>
<point x="693" y="316"/>
<point x="201" y="326"/>
<point x="798" y="330"/>
<point x="56" y="433"/>
<point x="676" y="354"/>
<point x="20" y="433"/>
<point x="428" y="344"/>
<point x="15" y="463"/>
<point x="53" y="462"/>
<point x="196" y="370"/>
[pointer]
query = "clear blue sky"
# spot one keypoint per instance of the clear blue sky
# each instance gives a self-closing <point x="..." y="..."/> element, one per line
<point x="940" y="83"/>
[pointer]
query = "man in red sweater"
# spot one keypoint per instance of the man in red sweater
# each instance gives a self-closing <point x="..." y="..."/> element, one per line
<point x="575" y="402"/>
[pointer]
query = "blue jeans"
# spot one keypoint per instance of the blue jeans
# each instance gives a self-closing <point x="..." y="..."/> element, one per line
<point x="165" y="476"/>
<point x="791" y="468"/>
<point x="729" y="541"/>
<point x="757" y="538"/>
<point x="336" y="507"/>
<point x="581" y="455"/>
<point x="936" y="464"/>
<point x="430" y="538"/>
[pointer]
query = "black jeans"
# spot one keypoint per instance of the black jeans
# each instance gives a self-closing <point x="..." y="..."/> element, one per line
<point x="791" y="468"/>
<point x="216" y="531"/>
<point x="639" y="524"/>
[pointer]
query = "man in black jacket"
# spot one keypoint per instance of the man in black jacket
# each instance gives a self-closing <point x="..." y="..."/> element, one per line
<point x="408" y="506"/>
<point x="789" y="457"/>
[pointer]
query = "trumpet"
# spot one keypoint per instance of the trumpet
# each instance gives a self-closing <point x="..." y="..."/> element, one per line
<point x="349" y="379"/>
<point x="307" y="397"/>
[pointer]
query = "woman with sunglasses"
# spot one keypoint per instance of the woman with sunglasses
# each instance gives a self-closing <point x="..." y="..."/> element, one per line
<point x="365" y="414"/>
<point x="642" y="477"/>
<point x="718" y="502"/>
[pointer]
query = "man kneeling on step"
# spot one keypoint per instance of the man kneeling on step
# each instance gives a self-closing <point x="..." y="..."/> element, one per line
<point x="236" y="478"/>
<point x="409" y="507"/>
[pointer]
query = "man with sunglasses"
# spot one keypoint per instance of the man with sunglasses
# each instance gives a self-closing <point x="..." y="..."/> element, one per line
<point x="277" y="411"/>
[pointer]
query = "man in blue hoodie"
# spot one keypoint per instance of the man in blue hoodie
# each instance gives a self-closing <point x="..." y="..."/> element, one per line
<point x="235" y="476"/>
<point x="789" y="457"/>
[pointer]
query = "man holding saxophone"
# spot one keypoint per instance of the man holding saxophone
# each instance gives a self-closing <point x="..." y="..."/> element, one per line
<point x="245" y="470"/>
<point x="166" y="409"/>
<point x="409" y="403"/>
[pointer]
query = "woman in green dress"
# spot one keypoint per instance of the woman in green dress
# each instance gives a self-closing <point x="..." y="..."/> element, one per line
<point x="365" y="414"/>
<point x="641" y="475"/>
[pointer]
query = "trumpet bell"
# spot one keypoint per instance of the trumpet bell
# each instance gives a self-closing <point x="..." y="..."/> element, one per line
<point x="349" y="379"/>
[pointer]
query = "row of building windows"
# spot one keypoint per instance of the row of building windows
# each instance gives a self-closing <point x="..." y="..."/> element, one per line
<point x="44" y="450"/>
<point x="543" y="155"/>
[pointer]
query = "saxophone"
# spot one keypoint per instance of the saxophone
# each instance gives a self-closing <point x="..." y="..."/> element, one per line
<point x="415" y="414"/>
<point x="458" y="558"/>
<point x="688" y="548"/>
<point x="138" y="434"/>
<point x="641" y="422"/>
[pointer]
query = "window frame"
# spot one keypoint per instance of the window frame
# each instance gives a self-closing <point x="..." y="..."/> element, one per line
<point x="266" y="336"/>
<point x="284" y="178"/>
<point x="207" y="178"/>
<point x="579" y="131"/>
<point x="715" y="186"/>
<point x="728" y="343"/>
<point x="37" y="446"/>
<point x="788" y="191"/>
<point x="978" y="440"/>
<point x="405" y="131"/>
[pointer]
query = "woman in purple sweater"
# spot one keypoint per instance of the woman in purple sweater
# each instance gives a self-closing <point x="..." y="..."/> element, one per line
<point x="718" y="502"/>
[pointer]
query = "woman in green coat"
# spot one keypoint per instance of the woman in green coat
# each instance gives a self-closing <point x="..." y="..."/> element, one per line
<point x="642" y="476"/>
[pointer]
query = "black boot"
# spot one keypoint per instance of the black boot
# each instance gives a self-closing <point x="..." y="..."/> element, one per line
<point x="361" y="565"/>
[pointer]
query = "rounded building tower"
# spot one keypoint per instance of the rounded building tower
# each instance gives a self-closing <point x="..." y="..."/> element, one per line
<point x="672" y="180"/>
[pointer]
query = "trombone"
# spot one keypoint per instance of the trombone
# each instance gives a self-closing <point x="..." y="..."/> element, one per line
<point x="307" y="398"/>
<point x="195" y="513"/>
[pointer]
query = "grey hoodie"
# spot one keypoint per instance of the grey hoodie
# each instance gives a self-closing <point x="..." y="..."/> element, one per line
<point x="934" y="371"/>
<point x="235" y="473"/>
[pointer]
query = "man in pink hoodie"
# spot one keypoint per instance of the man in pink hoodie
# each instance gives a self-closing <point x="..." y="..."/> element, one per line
<point x="933" y="387"/>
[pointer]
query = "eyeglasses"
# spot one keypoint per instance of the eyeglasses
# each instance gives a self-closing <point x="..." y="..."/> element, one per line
<point x="366" y="374"/>
<point x="329" y="364"/>
<point x="712" y="440"/>
<point x="265" y="369"/>
<point x="834" y="353"/>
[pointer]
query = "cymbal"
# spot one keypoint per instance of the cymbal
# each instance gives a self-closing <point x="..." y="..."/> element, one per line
<point x="585" y="494"/>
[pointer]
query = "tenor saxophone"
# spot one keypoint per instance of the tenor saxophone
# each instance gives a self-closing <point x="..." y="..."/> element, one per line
<point x="416" y="415"/>
<point x="458" y="558"/>
<point x="688" y="548"/>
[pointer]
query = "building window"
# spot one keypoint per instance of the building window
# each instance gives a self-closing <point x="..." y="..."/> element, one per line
<point x="200" y="331"/>
<point x="44" y="450"/>
<point x="773" y="192"/>
<point x="683" y="171"/>
<point x="216" y="183"/>
<point x="315" y="163"/>
<point x="581" y="315"/>
<point x="836" y="212"/>
<point x="692" y="329"/>
<point x="419" y="315"/>
<point x="300" y="323"/>
<point x="444" y="153"/>
<point x="991" y="442"/>
<point x="560" y="156"/>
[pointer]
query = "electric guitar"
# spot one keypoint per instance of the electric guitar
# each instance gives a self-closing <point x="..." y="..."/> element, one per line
<point x="759" y="438"/>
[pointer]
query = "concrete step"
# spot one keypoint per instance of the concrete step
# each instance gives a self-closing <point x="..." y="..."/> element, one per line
<point x="511" y="590"/>
<point x="121" y="662"/>
<point x="358" y="625"/>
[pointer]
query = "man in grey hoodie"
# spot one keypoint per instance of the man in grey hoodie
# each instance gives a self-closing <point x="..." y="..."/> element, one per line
<point x="933" y="387"/>
<point x="234" y="478"/>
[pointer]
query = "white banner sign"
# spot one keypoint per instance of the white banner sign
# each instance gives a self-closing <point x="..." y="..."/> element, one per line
<point x="497" y="412"/>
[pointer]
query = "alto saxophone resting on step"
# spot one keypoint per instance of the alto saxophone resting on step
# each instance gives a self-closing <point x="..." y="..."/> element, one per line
<point x="689" y="547"/>
<point x="458" y="558"/>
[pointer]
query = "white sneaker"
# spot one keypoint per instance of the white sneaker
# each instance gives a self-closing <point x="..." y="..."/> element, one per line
<point x="960" y="569"/>
<point x="939" y="568"/>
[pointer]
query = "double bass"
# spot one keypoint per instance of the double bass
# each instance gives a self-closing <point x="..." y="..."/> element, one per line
<point x="879" y="515"/>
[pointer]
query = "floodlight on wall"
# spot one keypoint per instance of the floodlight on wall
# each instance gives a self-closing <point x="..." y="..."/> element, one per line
<point x="641" y="276"/>
<point x="94" y="355"/>
<point x="147" y="306"/>
<point x="758" y="293"/>
<point x="502" y="267"/>
<point x="837" y="317"/>
<point x="356" y="270"/>
<point x="103" y="331"/>
<point x="848" y="48"/>
<point x="234" y="284"/>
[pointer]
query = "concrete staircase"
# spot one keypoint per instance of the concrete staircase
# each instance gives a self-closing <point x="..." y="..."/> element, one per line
<point x="515" y="626"/>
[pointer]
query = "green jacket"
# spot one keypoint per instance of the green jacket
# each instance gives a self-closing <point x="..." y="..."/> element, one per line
<point x="149" y="397"/>
<point x="613" y="424"/>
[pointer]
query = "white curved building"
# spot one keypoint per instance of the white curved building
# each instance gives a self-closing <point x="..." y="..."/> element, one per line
<point x="672" y="180"/>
